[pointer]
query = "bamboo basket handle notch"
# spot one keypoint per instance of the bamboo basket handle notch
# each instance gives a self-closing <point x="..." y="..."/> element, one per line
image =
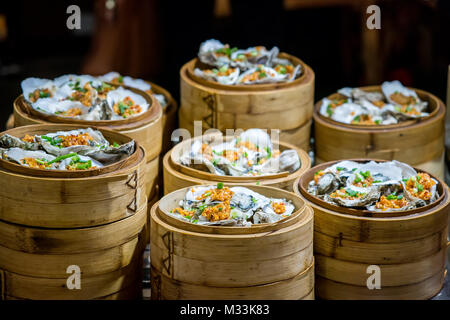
<point x="132" y="183"/>
<point x="167" y="261"/>
<point x="210" y="101"/>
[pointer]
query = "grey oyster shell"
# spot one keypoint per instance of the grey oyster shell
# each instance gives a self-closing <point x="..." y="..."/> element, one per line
<point x="8" y="141"/>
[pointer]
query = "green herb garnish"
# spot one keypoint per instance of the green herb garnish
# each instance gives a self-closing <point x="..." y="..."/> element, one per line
<point x="60" y="158"/>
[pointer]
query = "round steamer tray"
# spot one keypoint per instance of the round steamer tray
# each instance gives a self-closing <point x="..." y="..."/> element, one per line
<point x="196" y="63"/>
<point x="423" y="95"/>
<point x="38" y="129"/>
<point x="173" y="198"/>
<point x="305" y="163"/>
<point x="142" y="118"/>
<point x="301" y="185"/>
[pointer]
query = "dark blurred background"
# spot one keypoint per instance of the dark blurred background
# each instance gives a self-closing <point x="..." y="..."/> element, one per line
<point x="152" y="39"/>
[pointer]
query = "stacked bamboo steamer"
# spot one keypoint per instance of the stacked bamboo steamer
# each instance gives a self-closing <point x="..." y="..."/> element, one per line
<point x="53" y="222"/>
<point x="267" y="261"/>
<point x="147" y="129"/>
<point x="177" y="176"/>
<point x="409" y="249"/>
<point x="419" y="143"/>
<point x="285" y="106"/>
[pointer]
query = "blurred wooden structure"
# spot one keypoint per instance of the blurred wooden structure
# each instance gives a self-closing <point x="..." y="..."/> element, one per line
<point x="370" y="39"/>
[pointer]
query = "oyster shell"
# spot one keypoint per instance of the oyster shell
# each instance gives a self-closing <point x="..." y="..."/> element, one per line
<point x="29" y="85"/>
<point x="17" y="155"/>
<point x="217" y="76"/>
<point x="118" y="96"/>
<point x="260" y="75"/>
<point x="51" y="142"/>
<point x="8" y="141"/>
<point x="364" y="197"/>
<point x="400" y="96"/>
<point x="208" y="53"/>
<point x="253" y="56"/>
<point x="110" y="154"/>
<point x="79" y="159"/>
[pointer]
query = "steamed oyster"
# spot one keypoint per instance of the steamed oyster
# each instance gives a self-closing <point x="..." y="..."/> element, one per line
<point x="112" y="153"/>
<point x="79" y="162"/>
<point x="250" y="154"/>
<point x="27" y="158"/>
<point x="223" y="75"/>
<point x="261" y="74"/>
<point x="234" y="206"/>
<point x="28" y="143"/>
<point x="215" y="53"/>
<point x="253" y="56"/>
<point x="81" y="141"/>
<point x="117" y="78"/>
<point x="34" y="89"/>
<point x="125" y="103"/>
<point x="384" y="186"/>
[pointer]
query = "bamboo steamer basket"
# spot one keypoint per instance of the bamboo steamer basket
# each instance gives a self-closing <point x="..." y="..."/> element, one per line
<point x="33" y="260"/>
<point x="267" y="261"/>
<point x="409" y="249"/>
<point x="109" y="195"/>
<point x="284" y="106"/>
<point x="147" y="129"/>
<point x="96" y="222"/>
<point x="177" y="176"/>
<point x="419" y="143"/>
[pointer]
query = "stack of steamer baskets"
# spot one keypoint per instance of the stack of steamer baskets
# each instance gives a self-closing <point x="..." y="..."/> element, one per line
<point x="177" y="176"/>
<point x="147" y="128"/>
<point x="61" y="226"/>
<point x="264" y="261"/>
<point x="419" y="142"/>
<point x="405" y="250"/>
<point x="286" y="106"/>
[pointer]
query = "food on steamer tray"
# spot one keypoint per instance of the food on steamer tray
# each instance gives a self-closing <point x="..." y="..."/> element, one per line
<point x="118" y="79"/>
<point x="374" y="186"/>
<point x="250" y="154"/>
<point x="255" y="65"/>
<point x="82" y="97"/>
<point x="394" y="104"/>
<point x="80" y="149"/>
<point x="230" y="206"/>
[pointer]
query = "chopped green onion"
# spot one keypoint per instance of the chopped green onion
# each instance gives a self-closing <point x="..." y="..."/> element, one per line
<point x="220" y="185"/>
<point x="60" y="158"/>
